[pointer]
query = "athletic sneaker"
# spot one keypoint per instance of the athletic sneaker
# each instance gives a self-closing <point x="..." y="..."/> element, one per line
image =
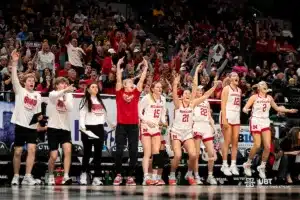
<point x="15" y="180"/>
<point x="28" y="180"/>
<point x="130" y="181"/>
<point x="51" y="180"/>
<point x="234" y="170"/>
<point x="172" y="181"/>
<point x="148" y="181"/>
<point x="262" y="171"/>
<point x="247" y="169"/>
<point x="97" y="181"/>
<point x="83" y="179"/>
<point x="118" y="180"/>
<point x="211" y="180"/>
<point x="67" y="181"/>
<point x="226" y="170"/>
<point x="198" y="180"/>
<point x="191" y="180"/>
<point x="160" y="182"/>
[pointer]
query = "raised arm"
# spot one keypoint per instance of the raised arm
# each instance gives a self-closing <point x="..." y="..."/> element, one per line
<point x="54" y="95"/>
<point x="249" y="104"/>
<point x="119" y="84"/>
<point x="195" y="82"/>
<point x="143" y="76"/>
<point x="207" y="94"/>
<point x="174" y="92"/>
<point x="281" y="109"/>
<point x="14" y="74"/>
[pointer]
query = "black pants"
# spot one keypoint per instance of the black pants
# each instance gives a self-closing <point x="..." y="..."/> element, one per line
<point x="124" y="132"/>
<point x="288" y="166"/>
<point x="87" y="148"/>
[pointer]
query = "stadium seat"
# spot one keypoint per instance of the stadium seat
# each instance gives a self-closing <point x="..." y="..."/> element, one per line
<point x="125" y="153"/>
<point x="5" y="163"/>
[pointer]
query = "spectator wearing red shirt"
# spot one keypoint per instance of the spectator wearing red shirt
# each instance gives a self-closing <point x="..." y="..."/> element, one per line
<point x="64" y="72"/>
<point x="272" y="45"/>
<point x="127" y="98"/>
<point x="107" y="62"/>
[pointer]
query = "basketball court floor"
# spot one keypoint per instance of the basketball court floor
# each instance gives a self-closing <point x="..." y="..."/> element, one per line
<point x="150" y="192"/>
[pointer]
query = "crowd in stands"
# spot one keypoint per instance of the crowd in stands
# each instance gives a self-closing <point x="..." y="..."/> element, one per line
<point x="84" y="45"/>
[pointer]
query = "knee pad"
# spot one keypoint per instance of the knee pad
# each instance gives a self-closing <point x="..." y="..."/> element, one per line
<point x="157" y="162"/>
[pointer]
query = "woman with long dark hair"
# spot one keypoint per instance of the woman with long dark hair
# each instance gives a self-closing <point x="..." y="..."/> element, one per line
<point x="290" y="147"/>
<point x="93" y="115"/>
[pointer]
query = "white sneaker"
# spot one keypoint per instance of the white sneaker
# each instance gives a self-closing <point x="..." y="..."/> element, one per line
<point x="15" y="180"/>
<point x="247" y="169"/>
<point x="67" y="181"/>
<point x="226" y="170"/>
<point x="234" y="170"/>
<point x="83" y="179"/>
<point x="51" y="180"/>
<point x="28" y="180"/>
<point x="147" y="180"/>
<point x="198" y="180"/>
<point x="97" y="181"/>
<point x="211" y="180"/>
<point x="262" y="171"/>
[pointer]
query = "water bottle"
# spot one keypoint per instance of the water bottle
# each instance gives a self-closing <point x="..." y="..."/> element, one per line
<point x="46" y="177"/>
<point x="108" y="178"/>
<point x="178" y="179"/>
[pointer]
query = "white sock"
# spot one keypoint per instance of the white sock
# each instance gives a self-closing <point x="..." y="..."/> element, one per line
<point x="27" y="175"/>
<point x="154" y="177"/>
<point x="158" y="177"/>
<point x="16" y="175"/>
<point x="196" y="174"/>
<point x="190" y="173"/>
<point x="249" y="161"/>
<point x="66" y="175"/>
<point x="233" y="162"/>
<point x="146" y="175"/>
<point x="172" y="174"/>
<point x="210" y="173"/>
<point x="225" y="163"/>
<point x="263" y="164"/>
<point x="51" y="175"/>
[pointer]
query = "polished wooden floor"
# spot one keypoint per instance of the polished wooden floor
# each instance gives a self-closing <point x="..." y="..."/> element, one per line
<point x="153" y="192"/>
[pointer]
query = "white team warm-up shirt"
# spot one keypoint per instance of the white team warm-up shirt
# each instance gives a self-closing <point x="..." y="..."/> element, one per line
<point x="58" y="110"/>
<point x="261" y="107"/>
<point x="149" y="110"/>
<point x="95" y="117"/>
<point x="27" y="104"/>
<point x="75" y="55"/>
<point x="201" y="112"/>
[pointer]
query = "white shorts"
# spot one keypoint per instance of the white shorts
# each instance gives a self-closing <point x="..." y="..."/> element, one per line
<point x="203" y="131"/>
<point x="147" y="131"/>
<point x="259" y="125"/>
<point x="233" y="118"/>
<point x="181" y="135"/>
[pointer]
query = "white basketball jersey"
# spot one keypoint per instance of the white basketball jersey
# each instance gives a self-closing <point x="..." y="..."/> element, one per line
<point x="261" y="107"/>
<point x="154" y="109"/>
<point x="201" y="112"/>
<point x="183" y="118"/>
<point x="234" y="100"/>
